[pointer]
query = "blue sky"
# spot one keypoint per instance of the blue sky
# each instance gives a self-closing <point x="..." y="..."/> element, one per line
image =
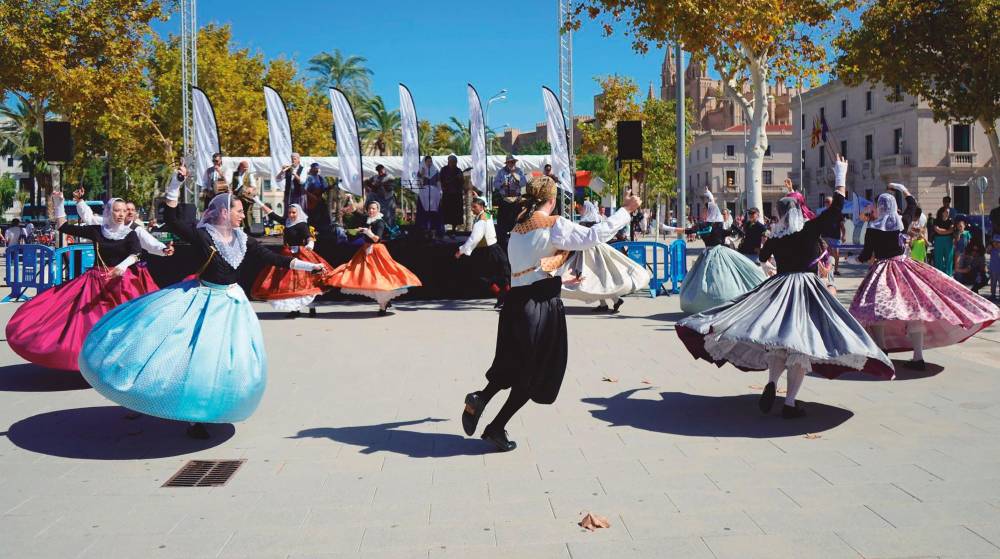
<point x="435" y="48"/>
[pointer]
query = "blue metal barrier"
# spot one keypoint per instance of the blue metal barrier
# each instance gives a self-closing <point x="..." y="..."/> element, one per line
<point x="71" y="261"/>
<point x="28" y="266"/>
<point x="678" y="264"/>
<point x="637" y="252"/>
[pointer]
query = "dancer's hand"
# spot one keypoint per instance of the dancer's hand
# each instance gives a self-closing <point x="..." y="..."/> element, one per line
<point x="840" y="172"/>
<point x="169" y="250"/>
<point x="115" y="272"/>
<point x="632" y="203"/>
<point x="318" y="269"/>
<point x="458" y="254"/>
<point x="574" y="281"/>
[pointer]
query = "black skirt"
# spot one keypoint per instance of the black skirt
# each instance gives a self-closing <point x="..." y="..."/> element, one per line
<point x="531" y="341"/>
<point x="490" y="265"/>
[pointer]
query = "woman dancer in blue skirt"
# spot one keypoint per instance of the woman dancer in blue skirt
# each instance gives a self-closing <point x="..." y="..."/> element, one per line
<point x="192" y="351"/>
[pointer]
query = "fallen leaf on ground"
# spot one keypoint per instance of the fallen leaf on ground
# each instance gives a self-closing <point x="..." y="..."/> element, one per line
<point x="609" y="379"/>
<point x="756" y="387"/>
<point x="593" y="522"/>
<point x="646" y="381"/>
<point x="813" y="436"/>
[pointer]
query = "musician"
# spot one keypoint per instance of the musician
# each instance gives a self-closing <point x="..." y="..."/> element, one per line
<point x="452" y="181"/>
<point x="507" y="186"/>
<point x="214" y="181"/>
<point x="244" y="187"/>
<point x="291" y="176"/>
<point x="317" y="208"/>
<point x="429" y="199"/>
<point x="379" y="188"/>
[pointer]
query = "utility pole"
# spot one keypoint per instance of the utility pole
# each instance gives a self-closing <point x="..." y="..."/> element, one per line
<point x="681" y="114"/>
<point x="566" y="94"/>
<point x="189" y="79"/>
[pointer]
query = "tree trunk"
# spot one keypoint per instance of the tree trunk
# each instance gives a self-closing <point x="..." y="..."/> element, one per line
<point x="757" y="141"/>
<point x="990" y="129"/>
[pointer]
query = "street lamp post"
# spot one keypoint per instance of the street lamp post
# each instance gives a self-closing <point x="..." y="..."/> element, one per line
<point x="498" y="96"/>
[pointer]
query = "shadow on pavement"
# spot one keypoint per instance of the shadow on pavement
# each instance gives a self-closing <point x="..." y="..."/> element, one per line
<point x="693" y="415"/>
<point x="668" y="316"/>
<point x="26" y="377"/>
<point x="902" y="373"/>
<point x="386" y="437"/>
<point x="107" y="433"/>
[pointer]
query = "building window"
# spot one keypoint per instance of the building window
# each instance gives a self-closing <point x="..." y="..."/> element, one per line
<point x="869" y="147"/>
<point x="843" y="108"/>
<point x="803" y="122"/>
<point x="843" y="148"/>
<point x="822" y="156"/>
<point x="961" y="137"/>
<point x="10" y="160"/>
<point x="768" y="177"/>
<point x="706" y="178"/>
<point x="697" y="182"/>
<point x="730" y="150"/>
<point x="690" y="182"/>
<point x="706" y="152"/>
<point x="267" y="185"/>
<point x="767" y="152"/>
<point x="897" y="141"/>
<point x="730" y="179"/>
<point x="897" y="93"/>
<point x="869" y="101"/>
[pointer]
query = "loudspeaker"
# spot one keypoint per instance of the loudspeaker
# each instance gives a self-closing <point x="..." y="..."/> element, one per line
<point x="58" y="141"/>
<point x="630" y="140"/>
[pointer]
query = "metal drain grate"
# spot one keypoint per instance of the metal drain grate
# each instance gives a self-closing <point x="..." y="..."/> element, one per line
<point x="204" y="473"/>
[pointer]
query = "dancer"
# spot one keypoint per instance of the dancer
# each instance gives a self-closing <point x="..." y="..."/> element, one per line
<point x="531" y="345"/>
<point x="720" y="274"/>
<point x="372" y="272"/>
<point x="192" y="351"/>
<point x="284" y="288"/>
<point x="605" y="275"/>
<point x="790" y="321"/>
<point x="50" y="329"/>
<point x="487" y="253"/>
<point x="147" y="241"/>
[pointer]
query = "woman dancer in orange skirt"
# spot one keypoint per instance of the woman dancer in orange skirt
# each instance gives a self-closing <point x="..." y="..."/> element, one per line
<point x="293" y="290"/>
<point x="372" y="272"/>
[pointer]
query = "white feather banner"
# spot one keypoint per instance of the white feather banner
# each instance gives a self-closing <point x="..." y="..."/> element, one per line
<point x="348" y="144"/>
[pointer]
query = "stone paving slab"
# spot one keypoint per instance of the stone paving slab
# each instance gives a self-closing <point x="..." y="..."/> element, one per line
<point x="357" y="452"/>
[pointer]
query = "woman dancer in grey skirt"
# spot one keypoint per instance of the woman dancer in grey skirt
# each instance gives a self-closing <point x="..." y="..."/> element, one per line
<point x="790" y="322"/>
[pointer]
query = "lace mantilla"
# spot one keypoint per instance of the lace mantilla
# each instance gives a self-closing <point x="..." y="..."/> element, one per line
<point x="233" y="251"/>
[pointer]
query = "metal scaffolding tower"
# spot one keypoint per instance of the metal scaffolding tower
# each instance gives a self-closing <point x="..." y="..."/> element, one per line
<point x="189" y="79"/>
<point x="566" y="88"/>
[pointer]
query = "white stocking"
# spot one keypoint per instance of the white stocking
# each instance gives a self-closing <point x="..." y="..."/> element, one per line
<point x="796" y="374"/>
<point x="776" y="365"/>
<point x="878" y="334"/>
<point x="915" y="331"/>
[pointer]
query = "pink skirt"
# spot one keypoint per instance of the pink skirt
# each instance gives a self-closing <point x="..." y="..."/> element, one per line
<point x="49" y="329"/>
<point x="899" y="291"/>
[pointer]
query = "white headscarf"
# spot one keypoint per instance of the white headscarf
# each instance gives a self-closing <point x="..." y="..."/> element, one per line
<point x="714" y="214"/>
<point x="790" y="218"/>
<point x="888" y="214"/>
<point x="590" y="212"/>
<point x="216" y="221"/>
<point x="301" y="216"/>
<point x="109" y="229"/>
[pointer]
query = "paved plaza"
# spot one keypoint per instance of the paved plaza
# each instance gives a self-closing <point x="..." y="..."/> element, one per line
<point x="357" y="451"/>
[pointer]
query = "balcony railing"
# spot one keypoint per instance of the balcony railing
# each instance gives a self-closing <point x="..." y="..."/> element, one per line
<point x="961" y="159"/>
<point x="894" y="161"/>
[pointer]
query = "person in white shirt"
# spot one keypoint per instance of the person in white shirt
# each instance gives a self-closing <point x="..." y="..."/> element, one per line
<point x="486" y="253"/>
<point x="29" y="232"/>
<point x="148" y="242"/>
<point x="429" y="199"/>
<point x="532" y="348"/>
<point x="15" y="233"/>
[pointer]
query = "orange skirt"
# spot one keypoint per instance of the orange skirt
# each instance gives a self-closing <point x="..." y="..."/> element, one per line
<point x="372" y="269"/>
<point x="283" y="283"/>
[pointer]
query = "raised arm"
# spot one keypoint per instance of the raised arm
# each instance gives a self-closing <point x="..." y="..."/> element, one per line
<point x="150" y="244"/>
<point x="831" y="216"/>
<point x="86" y="214"/>
<point x="567" y="235"/>
<point x="171" y="216"/>
<point x="910" y="211"/>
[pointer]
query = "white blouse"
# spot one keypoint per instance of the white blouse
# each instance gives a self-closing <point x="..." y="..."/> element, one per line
<point x="482" y="229"/>
<point x="526" y="250"/>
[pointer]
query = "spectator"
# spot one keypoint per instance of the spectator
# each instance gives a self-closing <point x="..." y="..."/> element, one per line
<point x="753" y="232"/>
<point x="995" y="220"/>
<point x="834" y="235"/>
<point x="29" y="232"/>
<point x="15" y="233"/>
<point x="971" y="268"/>
<point x="995" y="266"/>
<point x="944" y="243"/>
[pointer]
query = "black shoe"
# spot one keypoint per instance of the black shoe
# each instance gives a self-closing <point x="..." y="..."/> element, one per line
<point x="474" y="406"/>
<point x="197" y="431"/>
<point x="836" y="272"/>
<point x="312" y="312"/>
<point x="766" y="402"/>
<point x="601" y="308"/>
<point x="383" y="312"/>
<point x="915" y="365"/>
<point x="618" y="305"/>
<point x="293" y="314"/>
<point x="388" y="304"/>
<point x="793" y="412"/>
<point x="499" y="440"/>
<point x="498" y="305"/>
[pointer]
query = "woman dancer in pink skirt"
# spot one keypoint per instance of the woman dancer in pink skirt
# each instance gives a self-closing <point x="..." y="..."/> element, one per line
<point x="49" y="329"/>
<point x="908" y="305"/>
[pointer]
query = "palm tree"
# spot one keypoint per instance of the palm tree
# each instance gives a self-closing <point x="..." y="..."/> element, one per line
<point x="347" y="73"/>
<point x="380" y="128"/>
<point x="20" y="137"/>
<point x="460" y="138"/>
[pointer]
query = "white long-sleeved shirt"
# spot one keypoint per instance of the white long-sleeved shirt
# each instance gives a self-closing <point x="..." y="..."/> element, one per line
<point x="543" y="236"/>
<point x="146" y="239"/>
<point x="483" y="229"/>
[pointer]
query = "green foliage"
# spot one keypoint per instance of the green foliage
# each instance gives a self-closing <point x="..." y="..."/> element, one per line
<point x="8" y="192"/>
<point x="538" y="147"/>
<point x="379" y="130"/>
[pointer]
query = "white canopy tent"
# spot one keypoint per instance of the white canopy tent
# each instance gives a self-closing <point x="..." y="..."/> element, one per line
<point x="328" y="166"/>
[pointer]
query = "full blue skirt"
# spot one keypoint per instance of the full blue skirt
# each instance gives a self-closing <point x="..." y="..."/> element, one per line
<point x="719" y="275"/>
<point x="190" y="352"/>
